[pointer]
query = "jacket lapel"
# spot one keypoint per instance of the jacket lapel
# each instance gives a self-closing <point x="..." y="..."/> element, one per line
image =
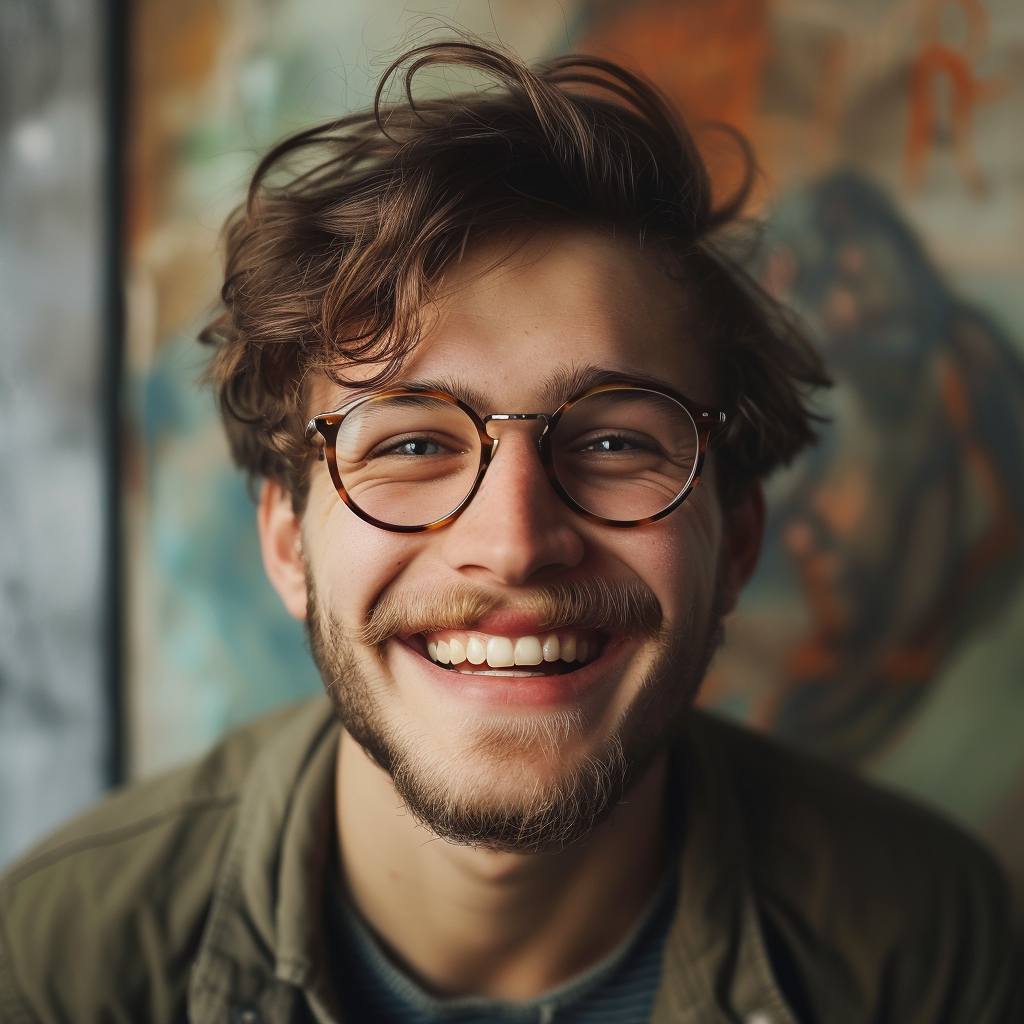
<point x="716" y="966"/>
<point x="263" y="940"/>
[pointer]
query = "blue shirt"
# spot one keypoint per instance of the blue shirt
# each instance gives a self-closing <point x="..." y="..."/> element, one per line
<point x="619" y="989"/>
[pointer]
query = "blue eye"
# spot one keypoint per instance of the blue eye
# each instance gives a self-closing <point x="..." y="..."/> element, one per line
<point x="609" y="444"/>
<point x="618" y="443"/>
<point x="416" y="447"/>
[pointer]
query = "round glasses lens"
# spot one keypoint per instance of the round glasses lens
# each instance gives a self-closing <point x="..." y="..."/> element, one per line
<point x="408" y="460"/>
<point x="625" y="454"/>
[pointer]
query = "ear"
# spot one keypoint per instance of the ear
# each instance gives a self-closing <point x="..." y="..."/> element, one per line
<point x="281" y="543"/>
<point x="742" y="539"/>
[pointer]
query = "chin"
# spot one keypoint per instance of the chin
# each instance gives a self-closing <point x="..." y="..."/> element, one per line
<point x="519" y="785"/>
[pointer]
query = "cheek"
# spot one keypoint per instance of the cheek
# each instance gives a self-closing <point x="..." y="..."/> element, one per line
<point x="678" y="556"/>
<point x="351" y="561"/>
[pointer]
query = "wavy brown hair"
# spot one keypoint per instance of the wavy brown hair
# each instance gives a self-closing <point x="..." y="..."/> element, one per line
<point x="348" y="226"/>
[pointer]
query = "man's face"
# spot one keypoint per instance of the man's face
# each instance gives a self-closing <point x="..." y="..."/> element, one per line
<point x="524" y="757"/>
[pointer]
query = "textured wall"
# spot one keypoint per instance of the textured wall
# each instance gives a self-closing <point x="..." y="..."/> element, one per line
<point x="53" y="713"/>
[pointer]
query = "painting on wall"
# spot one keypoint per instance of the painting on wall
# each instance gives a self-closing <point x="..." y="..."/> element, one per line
<point x="885" y="625"/>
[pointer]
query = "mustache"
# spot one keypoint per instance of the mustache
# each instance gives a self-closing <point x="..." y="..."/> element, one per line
<point x="623" y="606"/>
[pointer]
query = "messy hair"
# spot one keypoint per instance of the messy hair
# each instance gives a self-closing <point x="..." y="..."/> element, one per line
<point x="349" y="225"/>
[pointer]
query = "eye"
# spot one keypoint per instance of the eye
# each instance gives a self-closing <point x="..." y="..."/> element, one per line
<point x="416" y="446"/>
<point x="617" y="443"/>
<point x="610" y="444"/>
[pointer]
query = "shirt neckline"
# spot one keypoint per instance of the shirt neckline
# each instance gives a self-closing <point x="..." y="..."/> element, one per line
<point x="655" y="917"/>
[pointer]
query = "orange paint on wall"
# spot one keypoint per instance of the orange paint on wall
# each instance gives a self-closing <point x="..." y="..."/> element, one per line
<point x="707" y="55"/>
<point x="173" y="54"/>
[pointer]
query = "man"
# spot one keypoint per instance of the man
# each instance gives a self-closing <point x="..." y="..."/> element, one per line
<point x="481" y="351"/>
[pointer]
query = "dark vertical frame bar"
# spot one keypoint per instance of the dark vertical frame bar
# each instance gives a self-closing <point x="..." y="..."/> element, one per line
<point x="115" y="52"/>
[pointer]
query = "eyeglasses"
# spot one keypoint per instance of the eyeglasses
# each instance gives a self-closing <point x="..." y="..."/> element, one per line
<point x="409" y="460"/>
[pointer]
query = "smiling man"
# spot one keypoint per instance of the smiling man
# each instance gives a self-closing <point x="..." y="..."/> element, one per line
<point x="511" y="411"/>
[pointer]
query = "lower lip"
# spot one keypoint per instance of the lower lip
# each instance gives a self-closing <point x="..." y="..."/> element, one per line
<point x="519" y="691"/>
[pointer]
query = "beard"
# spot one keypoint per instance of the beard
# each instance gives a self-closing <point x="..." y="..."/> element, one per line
<point x="509" y="782"/>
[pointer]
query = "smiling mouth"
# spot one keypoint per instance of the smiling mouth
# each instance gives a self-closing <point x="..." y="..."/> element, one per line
<point x="548" y="654"/>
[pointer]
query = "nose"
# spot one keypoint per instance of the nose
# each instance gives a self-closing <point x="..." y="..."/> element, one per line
<point x="515" y="530"/>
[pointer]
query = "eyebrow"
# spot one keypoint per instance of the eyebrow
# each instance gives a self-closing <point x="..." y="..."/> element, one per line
<point x="562" y="384"/>
<point x="459" y="389"/>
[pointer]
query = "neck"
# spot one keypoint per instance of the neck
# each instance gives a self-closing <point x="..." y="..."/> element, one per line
<point x="470" y="921"/>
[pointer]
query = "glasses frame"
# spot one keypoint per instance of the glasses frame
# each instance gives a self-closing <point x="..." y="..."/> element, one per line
<point x="327" y="425"/>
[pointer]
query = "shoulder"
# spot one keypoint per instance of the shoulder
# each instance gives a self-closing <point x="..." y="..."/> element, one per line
<point x="864" y="892"/>
<point x="116" y="901"/>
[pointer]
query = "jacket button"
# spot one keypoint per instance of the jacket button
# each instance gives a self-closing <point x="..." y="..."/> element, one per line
<point x="246" y="1015"/>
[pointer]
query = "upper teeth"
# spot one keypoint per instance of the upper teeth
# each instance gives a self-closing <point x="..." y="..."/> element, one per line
<point x="502" y="652"/>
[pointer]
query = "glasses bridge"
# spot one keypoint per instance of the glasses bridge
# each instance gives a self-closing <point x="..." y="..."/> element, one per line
<point x="543" y="417"/>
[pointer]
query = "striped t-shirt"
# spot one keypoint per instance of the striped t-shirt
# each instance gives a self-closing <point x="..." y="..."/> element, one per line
<point x="618" y="989"/>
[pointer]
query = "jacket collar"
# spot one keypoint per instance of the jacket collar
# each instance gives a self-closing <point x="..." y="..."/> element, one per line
<point x="716" y="966"/>
<point x="263" y="940"/>
<point x="263" y="945"/>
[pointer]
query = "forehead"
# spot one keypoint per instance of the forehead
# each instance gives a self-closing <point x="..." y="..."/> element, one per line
<point x="513" y="324"/>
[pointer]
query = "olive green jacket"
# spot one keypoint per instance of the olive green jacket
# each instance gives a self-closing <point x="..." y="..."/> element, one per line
<point x="804" y="895"/>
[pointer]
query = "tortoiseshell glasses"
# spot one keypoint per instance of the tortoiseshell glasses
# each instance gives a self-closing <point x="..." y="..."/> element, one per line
<point x="409" y="460"/>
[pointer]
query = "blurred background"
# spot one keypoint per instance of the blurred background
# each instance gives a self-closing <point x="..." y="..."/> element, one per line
<point x="885" y="626"/>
